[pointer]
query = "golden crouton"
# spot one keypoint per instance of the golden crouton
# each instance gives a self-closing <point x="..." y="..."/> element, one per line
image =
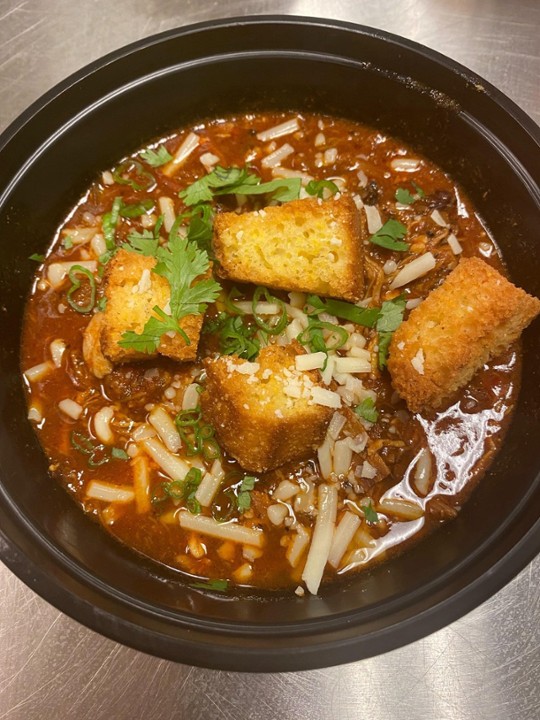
<point x="263" y="412"/>
<point x="132" y="291"/>
<point x="92" y="352"/>
<point x="304" y="245"/>
<point x="474" y="315"/>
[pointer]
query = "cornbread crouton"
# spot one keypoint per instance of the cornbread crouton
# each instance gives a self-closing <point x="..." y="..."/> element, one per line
<point x="92" y="352"/>
<point x="263" y="412"/>
<point x="474" y="315"/>
<point x="132" y="290"/>
<point x="303" y="245"/>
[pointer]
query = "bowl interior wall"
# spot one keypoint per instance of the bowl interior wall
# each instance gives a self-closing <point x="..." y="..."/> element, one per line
<point x="62" y="169"/>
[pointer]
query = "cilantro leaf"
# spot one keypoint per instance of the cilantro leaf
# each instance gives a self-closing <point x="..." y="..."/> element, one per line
<point x="283" y="189"/>
<point x="390" y="317"/>
<point x="180" y="262"/>
<point x="404" y="197"/>
<point x="101" y="304"/>
<point x="67" y="242"/>
<point x="370" y="514"/>
<point x="317" y="187"/>
<point x="389" y="236"/>
<point x="36" y="257"/>
<point x="383" y="344"/>
<point x="110" y="221"/>
<point x="366" y="410"/>
<point x="157" y="157"/>
<point x="243" y="500"/>
<point x="143" y="243"/>
<point x="391" y="314"/>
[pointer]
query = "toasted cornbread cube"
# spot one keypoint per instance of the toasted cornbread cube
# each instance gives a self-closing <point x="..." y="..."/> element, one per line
<point x="473" y="316"/>
<point x="92" y="352"/>
<point x="263" y="412"/>
<point x="305" y="245"/>
<point x="132" y="291"/>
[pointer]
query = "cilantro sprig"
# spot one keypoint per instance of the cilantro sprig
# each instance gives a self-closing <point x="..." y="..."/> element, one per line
<point x="180" y="262"/>
<point x="243" y="499"/>
<point x="389" y="236"/>
<point x="156" y="158"/>
<point x="225" y="181"/>
<point x="317" y="187"/>
<point x="390" y="318"/>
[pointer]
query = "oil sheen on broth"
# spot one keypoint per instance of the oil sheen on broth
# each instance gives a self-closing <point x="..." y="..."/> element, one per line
<point x="407" y="472"/>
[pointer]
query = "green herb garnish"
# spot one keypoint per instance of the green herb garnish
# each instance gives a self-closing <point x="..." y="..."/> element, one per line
<point x="67" y="242"/>
<point x="101" y="304"/>
<point x="344" y="310"/>
<point x="225" y="181"/>
<point x="156" y="158"/>
<point x="119" y="454"/>
<point x="370" y="514"/>
<point x="390" y="317"/>
<point x="404" y="197"/>
<point x="197" y="436"/>
<point x="216" y="585"/>
<point x="109" y="223"/>
<point x="137" y="209"/>
<point x="180" y="262"/>
<point x="132" y="173"/>
<point x="243" y="499"/>
<point x="36" y="257"/>
<point x="389" y="236"/>
<point x="97" y="454"/>
<point x="314" y="338"/>
<point x="366" y="410"/>
<point x="317" y="187"/>
<point x="182" y="490"/>
<point x="76" y="283"/>
<point x="236" y="338"/>
<point x="280" y="325"/>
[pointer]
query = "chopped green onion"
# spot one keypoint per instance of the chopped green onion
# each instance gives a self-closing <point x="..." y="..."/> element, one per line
<point x="109" y="223"/>
<point x="130" y="211"/>
<point x="132" y="173"/>
<point x="367" y="317"/>
<point x="119" y="454"/>
<point x="281" y="323"/>
<point x="76" y="284"/>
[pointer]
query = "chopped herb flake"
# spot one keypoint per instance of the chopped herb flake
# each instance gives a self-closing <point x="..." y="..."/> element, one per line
<point x="36" y="257"/>
<point x="119" y="454"/>
<point x="370" y="514"/>
<point x="366" y="410"/>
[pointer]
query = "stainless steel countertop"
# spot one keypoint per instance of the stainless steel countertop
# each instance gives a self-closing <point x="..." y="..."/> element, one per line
<point x="486" y="666"/>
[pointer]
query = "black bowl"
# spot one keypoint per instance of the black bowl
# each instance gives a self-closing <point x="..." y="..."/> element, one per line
<point x="47" y="159"/>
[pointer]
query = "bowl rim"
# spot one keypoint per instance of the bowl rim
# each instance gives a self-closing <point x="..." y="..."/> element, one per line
<point x="41" y="566"/>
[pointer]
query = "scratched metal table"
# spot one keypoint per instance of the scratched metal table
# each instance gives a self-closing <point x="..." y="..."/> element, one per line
<point x="485" y="666"/>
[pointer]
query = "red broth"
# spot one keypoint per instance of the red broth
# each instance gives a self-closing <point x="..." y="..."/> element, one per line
<point x="414" y="472"/>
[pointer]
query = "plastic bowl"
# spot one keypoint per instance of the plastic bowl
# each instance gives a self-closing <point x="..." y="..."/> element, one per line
<point x="50" y="155"/>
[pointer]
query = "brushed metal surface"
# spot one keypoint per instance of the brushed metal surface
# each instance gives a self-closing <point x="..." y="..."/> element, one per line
<point x="485" y="666"/>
